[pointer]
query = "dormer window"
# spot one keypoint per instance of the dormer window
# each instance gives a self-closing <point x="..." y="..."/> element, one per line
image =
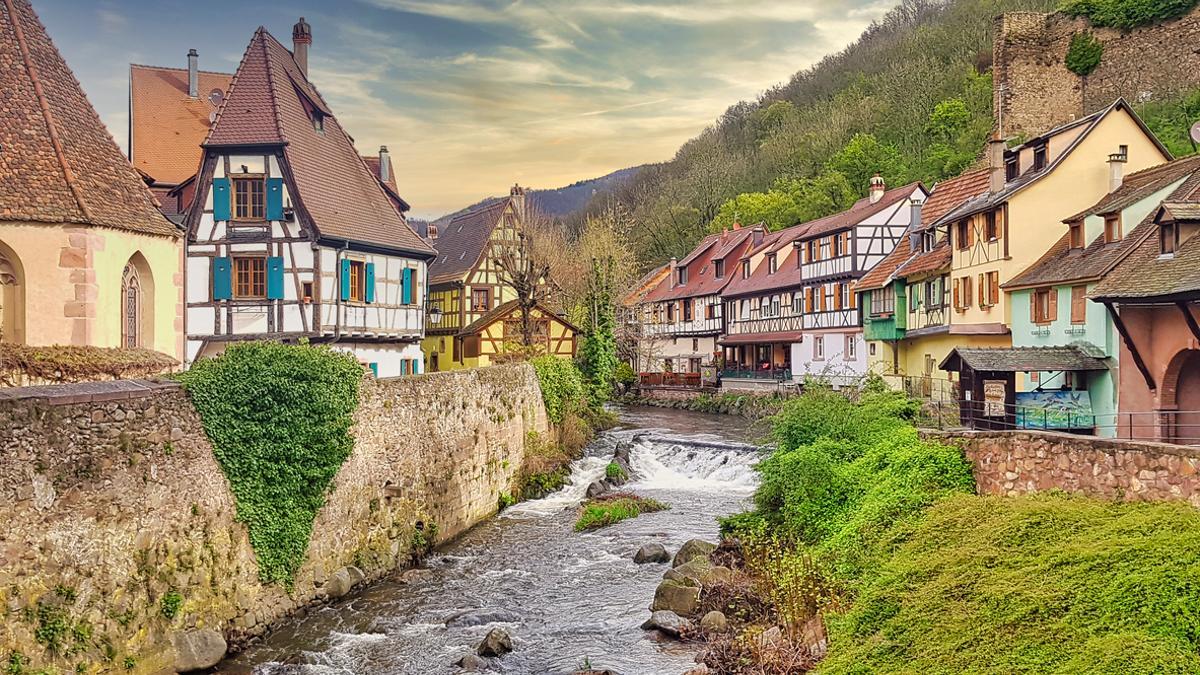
<point x="745" y="269"/>
<point x="1076" y="238"/>
<point x="772" y="264"/>
<point x="681" y="275"/>
<point x="1040" y="156"/>
<point x="1112" y="228"/>
<point x="719" y="269"/>
<point x="1168" y="238"/>
<point x="318" y="121"/>
<point x="1012" y="166"/>
<point x="928" y="241"/>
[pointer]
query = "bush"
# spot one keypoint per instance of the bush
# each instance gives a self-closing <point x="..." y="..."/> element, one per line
<point x="1127" y="14"/>
<point x="562" y="386"/>
<point x="1084" y="54"/>
<point x="279" y="419"/>
<point x="624" y="374"/>
<point x="614" y="472"/>
<point x="614" y="508"/>
<point x="57" y="364"/>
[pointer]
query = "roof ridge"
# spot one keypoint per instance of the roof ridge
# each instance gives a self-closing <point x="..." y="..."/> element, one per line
<point x="44" y="105"/>
<point x="271" y="92"/>
<point x="146" y="66"/>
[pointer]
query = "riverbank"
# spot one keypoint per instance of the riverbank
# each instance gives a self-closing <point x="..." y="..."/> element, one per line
<point x="749" y="406"/>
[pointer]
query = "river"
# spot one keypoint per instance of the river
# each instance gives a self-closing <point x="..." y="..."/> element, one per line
<point x="568" y="599"/>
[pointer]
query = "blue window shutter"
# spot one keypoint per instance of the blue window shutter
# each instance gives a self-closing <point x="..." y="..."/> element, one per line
<point x="370" y="282"/>
<point x="407" y="287"/>
<point x="274" y="199"/>
<point x="416" y="366"/>
<point x="374" y="368"/>
<point x="274" y="278"/>
<point x="222" y="278"/>
<point x="220" y="190"/>
<point x="345" y="280"/>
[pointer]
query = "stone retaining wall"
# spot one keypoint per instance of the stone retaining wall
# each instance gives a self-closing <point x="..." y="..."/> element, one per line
<point x="1022" y="462"/>
<point x="112" y="500"/>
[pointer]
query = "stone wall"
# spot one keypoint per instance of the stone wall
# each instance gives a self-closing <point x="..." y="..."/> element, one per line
<point x="113" y="503"/>
<point x="1022" y="462"/>
<point x="1034" y="91"/>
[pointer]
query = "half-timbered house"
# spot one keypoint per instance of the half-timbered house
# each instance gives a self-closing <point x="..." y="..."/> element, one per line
<point x="290" y="235"/>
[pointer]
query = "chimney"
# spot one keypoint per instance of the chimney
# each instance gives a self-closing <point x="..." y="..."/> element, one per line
<point x="193" y="73"/>
<point x="758" y="236"/>
<point x="385" y="168"/>
<point x="517" y="194"/>
<point x="914" y="226"/>
<point x="997" y="173"/>
<point x="1116" y="168"/>
<point x="878" y="187"/>
<point x="674" y="273"/>
<point x="301" y="39"/>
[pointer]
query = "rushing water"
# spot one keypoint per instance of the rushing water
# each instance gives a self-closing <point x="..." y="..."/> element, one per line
<point x="566" y="598"/>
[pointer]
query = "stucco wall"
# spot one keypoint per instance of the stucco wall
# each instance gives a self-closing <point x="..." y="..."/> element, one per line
<point x="110" y="494"/>
<point x="72" y="284"/>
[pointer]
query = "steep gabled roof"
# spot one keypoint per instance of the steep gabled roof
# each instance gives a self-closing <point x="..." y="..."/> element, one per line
<point x="272" y="103"/>
<point x="166" y="126"/>
<point x="787" y="272"/>
<point x="389" y="185"/>
<point x="646" y="284"/>
<point x="58" y="164"/>
<point x="726" y="246"/>
<point x="461" y="243"/>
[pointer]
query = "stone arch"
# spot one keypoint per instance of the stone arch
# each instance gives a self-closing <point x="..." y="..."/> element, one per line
<point x="137" y="303"/>
<point x="12" y="296"/>
<point x="1180" y="397"/>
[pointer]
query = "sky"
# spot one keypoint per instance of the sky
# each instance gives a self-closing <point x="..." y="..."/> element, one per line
<point x="472" y="96"/>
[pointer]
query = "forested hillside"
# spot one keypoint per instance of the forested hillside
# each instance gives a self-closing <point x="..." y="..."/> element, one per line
<point x="911" y="98"/>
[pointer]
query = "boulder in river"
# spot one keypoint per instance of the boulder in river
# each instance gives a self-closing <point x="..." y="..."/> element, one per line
<point x="595" y="489"/>
<point x="496" y="643"/>
<point x="482" y="617"/>
<point x="198" y="649"/>
<point x="472" y="663"/>
<point x="701" y="571"/>
<point x="714" y="622"/>
<point x="679" y="596"/>
<point x="339" y="583"/>
<point x="668" y="622"/>
<point x="651" y="553"/>
<point x="694" y="548"/>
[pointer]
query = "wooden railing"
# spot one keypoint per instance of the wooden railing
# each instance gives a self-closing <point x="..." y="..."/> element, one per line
<point x="776" y="374"/>
<point x="670" y="380"/>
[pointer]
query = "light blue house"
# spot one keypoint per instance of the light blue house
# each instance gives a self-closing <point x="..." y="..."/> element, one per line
<point x="1050" y="306"/>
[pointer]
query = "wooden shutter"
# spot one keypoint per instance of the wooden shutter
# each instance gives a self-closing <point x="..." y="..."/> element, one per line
<point x="982" y="291"/>
<point x="957" y="293"/>
<point x="1033" y="304"/>
<point x="274" y="199"/>
<point x="1052" y="315"/>
<point x="222" y="278"/>
<point x="853" y="295"/>
<point x="221" y="196"/>
<point x="1079" y="304"/>
<point x="970" y="233"/>
<point x="406" y="287"/>
<point x="994" y="287"/>
<point x="274" y="278"/>
<point x="345" y="278"/>
<point x="369" y="282"/>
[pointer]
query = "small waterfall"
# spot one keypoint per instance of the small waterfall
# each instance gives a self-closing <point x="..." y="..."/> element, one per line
<point x="680" y="463"/>
<point x="583" y="472"/>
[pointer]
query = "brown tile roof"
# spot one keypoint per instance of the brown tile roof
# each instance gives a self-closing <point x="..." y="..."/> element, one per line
<point x="946" y="195"/>
<point x="268" y="104"/>
<point x="1026" y="359"/>
<point x="787" y="272"/>
<point x="58" y="164"/>
<point x="1139" y="185"/>
<point x="166" y="126"/>
<point x="646" y="284"/>
<point x="861" y="210"/>
<point x="461" y="242"/>
<point x="702" y="280"/>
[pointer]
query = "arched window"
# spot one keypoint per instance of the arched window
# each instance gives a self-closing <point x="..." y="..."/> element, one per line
<point x="11" y="297"/>
<point x="131" y="308"/>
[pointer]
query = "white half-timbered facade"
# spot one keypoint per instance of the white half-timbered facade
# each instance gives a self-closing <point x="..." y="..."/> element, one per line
<point x="291" y="236"/>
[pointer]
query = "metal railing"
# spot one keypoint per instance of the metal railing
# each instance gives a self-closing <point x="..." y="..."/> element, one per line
<point x="773" y="374"/>
<point x="692" y="380"/>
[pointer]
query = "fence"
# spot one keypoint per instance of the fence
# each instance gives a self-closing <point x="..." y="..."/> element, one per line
<point x="692" y="380"/>
<point x="776" y="374"/>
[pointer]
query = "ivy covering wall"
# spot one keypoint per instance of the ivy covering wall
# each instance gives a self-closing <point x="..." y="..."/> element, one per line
<point x="279" y="419"/>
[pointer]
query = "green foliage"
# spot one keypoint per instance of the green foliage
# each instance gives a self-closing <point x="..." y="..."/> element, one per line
<point x="624" y="374"/>
<point x="611" y="509"/>
<point x="1171" y="121"/>
<point x="1084" y="54"/>
<point x="52" y="626"/>
<point x="1038" y="584"/>
<point x="506" y="500"/>
<point x="15" y="665"/>
<point x="1127" y="14"/>
<point x="863" y="157"/>
<point x="279" y="419"/>
<point x="614" y="472"/>
<point x="562" y="386"/>
<point x="788" y="202"/>
<point x="170" y="604"/>
<point x="598" y="354"/>
<point x="130" y="663"/>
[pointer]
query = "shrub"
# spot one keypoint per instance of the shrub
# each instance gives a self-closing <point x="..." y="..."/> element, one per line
<point x="1127" y="14"/>
<point x="57" y="364"/>
<point x="614" y="508"/>
<point x="1084" y="54"/>
<point x="562" y="386"/>
<point x="279" y="419"/>
<point x="614" y="472"/>
<point x="624" y="374"/>
<point x="170" y="605"/>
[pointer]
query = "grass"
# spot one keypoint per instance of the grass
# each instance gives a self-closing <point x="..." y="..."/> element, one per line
<point x="613" y="508"/>
<point x="614" y="472"/>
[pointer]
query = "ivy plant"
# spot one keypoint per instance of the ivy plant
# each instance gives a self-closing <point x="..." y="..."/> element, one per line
<point x="279" y="419"/>
<point x="1084" y="54"/>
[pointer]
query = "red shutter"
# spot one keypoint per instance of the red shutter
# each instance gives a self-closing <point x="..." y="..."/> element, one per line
<point x="994" y="286"/>
<point x="1052" y="315"/>
<point x="1033" y="303"/>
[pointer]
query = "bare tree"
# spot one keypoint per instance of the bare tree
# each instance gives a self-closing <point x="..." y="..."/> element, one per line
<point x="525" y="268"/>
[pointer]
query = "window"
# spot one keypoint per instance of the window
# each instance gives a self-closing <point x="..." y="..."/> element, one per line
<point x="962" y="293"/>
<point x="358" y="281"/>
<point x="818" y="348"/>
<point x="797" y="303"/>
<point x="249" y="198"/>
<point x="687" y="309"/>
<point x="681" y="275"/>
<point x="837" y="296"/>
<point x="1078" y="304"/>
<point x="851" y="353"/>
<point x="991" y="228"/>
<point x="928" y="241"/>
<point x="695" y="347"/>
<point x="1012" y="166"/>
<point x="993" y="286"/>
<point x="1112" y="228"/>
<point x="1040" y="156"/>
<point x="1076" y="234"/>
<point x="1168" y="238"/>
<point x="837" y="245"/>
<point x="852" y="290"/>
<point x="776" y="306"/>
<point x="824" y="247"/>
<point x="131" y="308"/>
<point x="745" y="269"/>
<point x="883" y="300"/>
<point x="306" y="291"/>
<point x="871" y="349"/>
<point x="719" y="268"/>
<point x="962" y="234"/>
<point x="811" y="251"/>
<point x="1045" y="306"/>
<point x="745" y="313"/>
<point x="481" y="300"/>
<point x="670" y="312"/>
<point x="772" y="264"/>
<point x="710" y="311"/>
<point x="250" y="277"/>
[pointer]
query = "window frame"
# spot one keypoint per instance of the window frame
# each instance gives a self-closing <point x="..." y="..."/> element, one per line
<point x="252" y="273"/>
<point x="719" y="269"/>
<point x="1168" y="231"/>
<point x="1078" y="302"/>
<point x="1113" y="226"/>
<point x="962" y="236"/>
<point x="358" y="281"/>
<point x="1075" y="240"/>
<point x="991" y="225"/>
<point x="239" y="179"/>
<point x="1041" y="299"/>
<point x="487" y="299"/>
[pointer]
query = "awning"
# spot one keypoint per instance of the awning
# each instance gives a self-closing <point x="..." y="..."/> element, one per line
<point x="1026" y="359"/>
<point x="762" y="338"/>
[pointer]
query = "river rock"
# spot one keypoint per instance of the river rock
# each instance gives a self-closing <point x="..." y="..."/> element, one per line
<point x="623" y="451"/>
<point x="472" y="663"/>
<point x="694" y="548"/>
<point x="198" y="649"/>
<point x="651" y="553"/>
<point x="701" y="571"/>
<point x="714" y="622"/>
<point x="701" y="669"/>
<point x="668" y="622"/>
<point x="679" y="596"/>
<point x="496" y="643"/>
<point x="595" y="489"/>
<point x="482" y="617"/>
<point x="416" y="575"/>
<point x="339" y="583"/>
<point x="771" y="638"/>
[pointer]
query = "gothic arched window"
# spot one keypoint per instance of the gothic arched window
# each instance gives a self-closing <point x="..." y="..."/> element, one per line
<point x="131" y="308"/>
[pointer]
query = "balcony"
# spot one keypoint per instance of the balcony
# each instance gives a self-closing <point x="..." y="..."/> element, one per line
<point x="680" y="380"/>
<point x="765" y="374"/>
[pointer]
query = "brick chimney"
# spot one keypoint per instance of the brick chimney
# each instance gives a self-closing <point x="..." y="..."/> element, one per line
<point x="301" y="39"/>
<point x="1116" y="168"/>
<point x="878" y="187"/>
<point x="997" y="172"/>
<point x="674" y="273"/>
<point x="385" y="167"/>
<point x="193" y="58"/>
<point x="914" y="225"/>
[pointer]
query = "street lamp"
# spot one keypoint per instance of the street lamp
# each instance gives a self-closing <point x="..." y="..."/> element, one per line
<point x="435" y="315"/>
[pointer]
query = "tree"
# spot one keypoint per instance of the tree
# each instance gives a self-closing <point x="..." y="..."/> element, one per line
<point x="524" y="268"/>
<point x="599" y="352"/>
<point x="863" y="157"/>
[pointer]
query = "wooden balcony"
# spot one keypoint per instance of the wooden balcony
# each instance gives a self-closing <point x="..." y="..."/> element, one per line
<point x="676" y="380"/>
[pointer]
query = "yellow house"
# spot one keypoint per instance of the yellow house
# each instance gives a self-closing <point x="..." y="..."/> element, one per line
<point x="490" y="336"/>
<point x="85" y="256"/>
<point x="468" y="295"/>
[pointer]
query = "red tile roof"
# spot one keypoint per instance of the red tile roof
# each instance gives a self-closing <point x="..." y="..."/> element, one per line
<point x="461" y="242"/>
<point x="268" y="104"/>
<point x="787" y="272"/>
<point x="166" y="126"/>
<point x="861" y="210"/>
<point x="702" y="279"/>
<point x="58" y="164"/>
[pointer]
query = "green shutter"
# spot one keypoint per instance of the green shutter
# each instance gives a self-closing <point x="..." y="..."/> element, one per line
<point x="274" y="278"/>
<point x="374" y="368"/>
<point x="222" y="278"/>
<point x="369" y="291"/>
<point x="345" y="280"/>
<point x="220" y="190"/>
<point x="274" y="199"/>
<point x="417" y="366"/>
<point x="406" y="288"/>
